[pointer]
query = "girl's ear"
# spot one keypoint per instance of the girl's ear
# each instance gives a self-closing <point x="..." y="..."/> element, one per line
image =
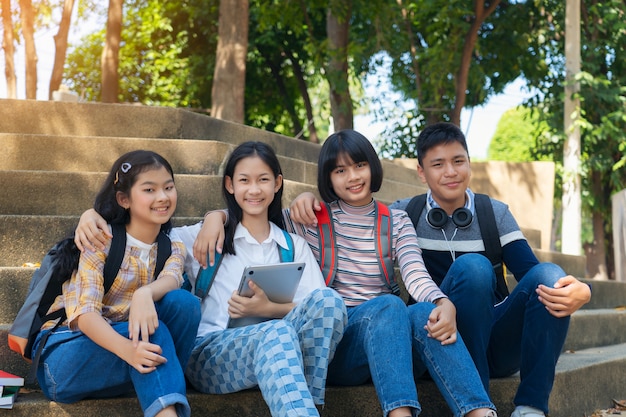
<point x="278" y="183"/>
<point x="122" y="200"/>
<point x="228" y="184"/>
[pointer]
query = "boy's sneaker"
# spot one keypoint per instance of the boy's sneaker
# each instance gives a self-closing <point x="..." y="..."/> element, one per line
<point x="525" y="411"/>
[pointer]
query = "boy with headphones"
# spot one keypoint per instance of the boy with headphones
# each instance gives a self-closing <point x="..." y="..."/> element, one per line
<point x="524" y="331"/>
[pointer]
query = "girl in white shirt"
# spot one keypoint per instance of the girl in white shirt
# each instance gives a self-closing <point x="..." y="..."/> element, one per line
<point x="287" y="356"/>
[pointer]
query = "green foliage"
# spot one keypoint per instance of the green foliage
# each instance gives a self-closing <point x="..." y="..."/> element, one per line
<point x="156" y="65"/>
<point x="508" y="46"/>
<point x="602" y="100"/>
<point x="515" y="137"/>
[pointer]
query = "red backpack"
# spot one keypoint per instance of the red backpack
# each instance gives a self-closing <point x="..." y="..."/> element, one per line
<point x="384" y="247"/>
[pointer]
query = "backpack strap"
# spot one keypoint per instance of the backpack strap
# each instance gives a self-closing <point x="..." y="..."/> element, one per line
<point x="286" y="254"/>
<point x="384" y="246"/>
<point x="415" y="207"/>
<point x="164" y="251"/>
<point x="206" y="276"/>
<point x="488" y="232"/>
<point x="327" y="246"/>
<point x="112" y="266"/>
<point x="115" y="256"/>
<point x="491" y="239"/>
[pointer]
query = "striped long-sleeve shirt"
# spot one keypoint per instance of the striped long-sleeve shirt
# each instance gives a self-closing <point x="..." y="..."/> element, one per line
<point x="358" y="277"/>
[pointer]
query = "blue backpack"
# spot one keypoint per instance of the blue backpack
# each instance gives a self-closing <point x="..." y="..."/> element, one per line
<point x="206" y="276"/>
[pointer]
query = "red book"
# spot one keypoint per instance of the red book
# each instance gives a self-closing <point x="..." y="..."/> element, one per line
<point x="10" y="380"/>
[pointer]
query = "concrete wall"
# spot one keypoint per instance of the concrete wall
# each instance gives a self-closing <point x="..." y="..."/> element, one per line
<point x="619" y="234"/>
<point x="527" y="187"/>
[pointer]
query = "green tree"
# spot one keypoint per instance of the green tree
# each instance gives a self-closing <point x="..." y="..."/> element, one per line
<point x="448" y="55"/>
<point x="154" y="67"/>
<point x="515" y="136"/>
<point x="603" y="116"/>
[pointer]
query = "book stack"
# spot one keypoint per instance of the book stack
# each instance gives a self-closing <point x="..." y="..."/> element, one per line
<point x="9" y="386"/>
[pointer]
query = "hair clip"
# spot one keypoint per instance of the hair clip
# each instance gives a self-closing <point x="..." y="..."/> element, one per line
<point x="125" y="167"/>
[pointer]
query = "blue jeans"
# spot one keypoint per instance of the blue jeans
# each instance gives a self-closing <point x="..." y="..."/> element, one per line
<point x="72" y="367"/>
<point x="385" y="340"/>
<point x="517" y="334"/>
<point x="287" y="359"/>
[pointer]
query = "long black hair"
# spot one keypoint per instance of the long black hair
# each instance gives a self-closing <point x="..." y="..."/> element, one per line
<point x="235" y="214"/>
<point x="122" y="177"/>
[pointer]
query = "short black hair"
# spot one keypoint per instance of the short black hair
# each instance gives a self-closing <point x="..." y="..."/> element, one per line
<point x="358" y="148"/>
<point x="438" y="134"/>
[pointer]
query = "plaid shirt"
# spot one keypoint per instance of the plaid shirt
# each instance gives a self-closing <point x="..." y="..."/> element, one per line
<point x="84" y="292"/>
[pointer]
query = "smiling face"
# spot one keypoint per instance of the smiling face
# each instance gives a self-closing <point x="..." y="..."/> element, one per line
<point x="351" y="181"/>
<point x="446" y="170"/>
<point x="253" y="185"/>
<point x="151" y="201"/>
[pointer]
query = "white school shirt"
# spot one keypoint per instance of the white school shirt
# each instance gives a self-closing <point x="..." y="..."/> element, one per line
<point x="249" y="253"/>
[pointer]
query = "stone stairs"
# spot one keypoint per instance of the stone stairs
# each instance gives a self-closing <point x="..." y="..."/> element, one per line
<point x="55" y="156"/>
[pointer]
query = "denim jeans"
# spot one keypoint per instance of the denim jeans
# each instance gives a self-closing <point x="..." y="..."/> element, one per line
<point x="72" y="367"/>
<point x="517" y="334"/>
<point x="287" y="359"/>
<point x="385" y="341"/>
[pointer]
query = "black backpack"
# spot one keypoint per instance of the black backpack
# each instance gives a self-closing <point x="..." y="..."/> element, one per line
<point x="46" y="284"/>
<point x="488" y="232"/>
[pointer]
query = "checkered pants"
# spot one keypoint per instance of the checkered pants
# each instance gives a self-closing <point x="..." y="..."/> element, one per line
<point x="287" y="359"/>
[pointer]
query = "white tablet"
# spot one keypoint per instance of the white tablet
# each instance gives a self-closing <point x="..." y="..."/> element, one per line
<point x="279" y="281"/>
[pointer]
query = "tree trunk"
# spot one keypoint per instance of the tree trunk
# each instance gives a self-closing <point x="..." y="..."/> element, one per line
<point x="480" y="15"/>
<point x="111" y="52"/>
<point x="413" y="48"/>
<point x="9" y="49"/>
<point x="288" y="103"/>
<point x="60" y="43"/>
<point x="304" y="92"/>
<point x="337" y="30"/>
<point x="229" y="78"/>
<point x="596" y="250"/>
<point x="28" y="23"/>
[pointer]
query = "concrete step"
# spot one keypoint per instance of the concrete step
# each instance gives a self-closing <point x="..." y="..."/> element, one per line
<point x="588" y="327"/>
<point x="70" y="193"/>
<point x="25" y="152"/>
<point x="595" y="372"/>
<point x="25" y="239"/>
<point x="60" y="119"/>
<point x="596" y="327"/>
<point x="123" y="121"/>
<point x="572" y="264"/>
<point x="47" y="193"/>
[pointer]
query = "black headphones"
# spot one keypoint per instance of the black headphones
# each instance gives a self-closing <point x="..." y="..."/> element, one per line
<point x="437" y="217"/>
